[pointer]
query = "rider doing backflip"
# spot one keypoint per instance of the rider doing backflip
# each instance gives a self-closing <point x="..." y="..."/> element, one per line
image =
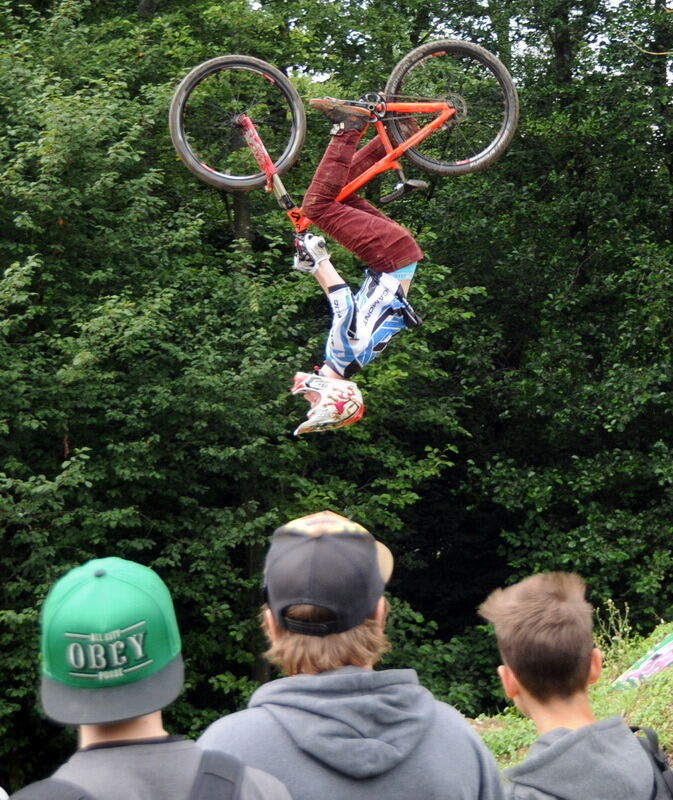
<point x="362" y="323"/>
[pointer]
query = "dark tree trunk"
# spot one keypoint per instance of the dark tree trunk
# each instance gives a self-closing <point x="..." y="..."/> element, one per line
<point x="146" y="7"/>
<point x="242" y="221"/>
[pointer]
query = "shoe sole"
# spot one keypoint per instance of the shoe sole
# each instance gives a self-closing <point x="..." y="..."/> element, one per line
<point x="346" y="112"/>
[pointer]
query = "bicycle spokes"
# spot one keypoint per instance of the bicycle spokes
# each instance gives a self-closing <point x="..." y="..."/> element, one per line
<point x="205" y="116"/>
<point x="479" y="89"/>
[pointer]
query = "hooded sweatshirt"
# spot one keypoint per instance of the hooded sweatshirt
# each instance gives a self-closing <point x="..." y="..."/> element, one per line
<point x="352" y="733"/>
<point x="596" y="762"/>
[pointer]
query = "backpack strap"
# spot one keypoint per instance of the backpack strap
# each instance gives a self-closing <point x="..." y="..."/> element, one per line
<point x="219" y="777"/>
<point x="51" y="789"/>
<point x="650" y="745"/>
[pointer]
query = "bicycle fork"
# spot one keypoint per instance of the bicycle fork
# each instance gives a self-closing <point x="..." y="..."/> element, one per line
<point x="273" y="182"/>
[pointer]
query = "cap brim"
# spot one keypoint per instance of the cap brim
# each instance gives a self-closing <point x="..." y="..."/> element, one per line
<point x="385" y="560"/>
<point x="71" y="706"/>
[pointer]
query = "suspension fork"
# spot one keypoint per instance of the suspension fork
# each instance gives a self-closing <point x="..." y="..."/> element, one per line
<point x="273" y="182"/>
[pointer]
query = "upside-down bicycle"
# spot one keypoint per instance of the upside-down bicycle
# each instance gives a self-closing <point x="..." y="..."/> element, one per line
<point x="238" y="123"/>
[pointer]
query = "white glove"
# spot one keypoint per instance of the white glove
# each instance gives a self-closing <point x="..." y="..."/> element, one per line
<point x="310" y="251"/>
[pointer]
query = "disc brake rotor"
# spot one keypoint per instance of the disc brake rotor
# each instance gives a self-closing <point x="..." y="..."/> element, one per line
<point x="455" y="101"/>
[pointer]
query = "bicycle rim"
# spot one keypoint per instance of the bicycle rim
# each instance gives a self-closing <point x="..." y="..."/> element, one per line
<point x="203" y="114"/>
<point x="477" y="85"/>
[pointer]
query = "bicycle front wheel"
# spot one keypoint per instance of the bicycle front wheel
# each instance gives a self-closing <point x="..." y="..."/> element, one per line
<point x="203" y="113"/>
<point x="477" y="85"/>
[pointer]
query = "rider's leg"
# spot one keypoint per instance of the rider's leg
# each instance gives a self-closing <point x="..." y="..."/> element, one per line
<point x="340" y="162"/>
<point x="374" y="150"/>
<point x="378" y="241"/>
<point x="364" y="158"/>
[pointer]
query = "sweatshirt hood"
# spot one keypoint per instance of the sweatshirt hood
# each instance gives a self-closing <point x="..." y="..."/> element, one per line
<point x="358" y="722"/>
<point x="599" y="760"/>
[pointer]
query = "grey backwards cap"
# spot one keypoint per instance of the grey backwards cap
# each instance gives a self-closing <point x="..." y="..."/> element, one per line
<point x="329" y="561"/>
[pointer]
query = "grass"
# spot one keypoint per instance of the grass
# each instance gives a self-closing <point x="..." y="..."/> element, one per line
<point x="508" y="735"/>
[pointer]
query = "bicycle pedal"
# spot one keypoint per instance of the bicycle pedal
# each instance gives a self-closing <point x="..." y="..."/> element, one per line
<point x="403" y="188"/>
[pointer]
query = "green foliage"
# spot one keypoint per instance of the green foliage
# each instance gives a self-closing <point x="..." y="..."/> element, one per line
<point x="508" y="736"/>
<point x="647" y="704"/>
<point x="146" y="356"/>
<point x="460" y="672"/>
<point x="614" y="637"/>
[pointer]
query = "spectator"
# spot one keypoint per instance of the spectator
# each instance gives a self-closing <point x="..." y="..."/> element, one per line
<point x="335" y="728"/>
<point x="111" y="661"/>
<point x="543" y="626"/>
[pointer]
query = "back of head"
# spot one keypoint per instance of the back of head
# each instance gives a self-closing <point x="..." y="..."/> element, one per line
<point x="544" y="629"/>
<point x="324" y="576"/>
<point x="110" y="644"/>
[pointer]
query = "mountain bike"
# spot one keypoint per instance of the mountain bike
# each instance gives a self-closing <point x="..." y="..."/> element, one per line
<point x="238" y="123"/>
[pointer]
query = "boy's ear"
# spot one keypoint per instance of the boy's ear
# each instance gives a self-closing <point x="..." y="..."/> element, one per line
<point x="595" y="665"/>
<point x="380" y="612"/>
<point x="509" y="681"/>
<point x="271" y="626"/>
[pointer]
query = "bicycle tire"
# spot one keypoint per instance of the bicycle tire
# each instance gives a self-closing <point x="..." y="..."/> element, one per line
<point x="202" y="113"/>
<point x="481" y="89"/>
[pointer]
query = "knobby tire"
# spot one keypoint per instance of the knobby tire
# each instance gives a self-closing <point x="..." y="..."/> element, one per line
<point x="477" y="84"/>
<point x="202" y="120"/>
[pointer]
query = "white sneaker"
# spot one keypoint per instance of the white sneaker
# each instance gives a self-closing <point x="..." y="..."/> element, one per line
<point x="340" y="402"/>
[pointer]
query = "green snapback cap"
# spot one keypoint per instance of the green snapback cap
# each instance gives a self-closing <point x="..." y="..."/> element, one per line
<point x="110" y="644"/>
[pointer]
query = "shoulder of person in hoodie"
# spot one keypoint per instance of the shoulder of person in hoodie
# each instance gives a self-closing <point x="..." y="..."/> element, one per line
<point x="601" y="759"/>
<point x="285" y="696"/>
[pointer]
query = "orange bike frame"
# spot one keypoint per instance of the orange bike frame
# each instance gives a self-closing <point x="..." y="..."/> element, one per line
<point x="389" y="161"/>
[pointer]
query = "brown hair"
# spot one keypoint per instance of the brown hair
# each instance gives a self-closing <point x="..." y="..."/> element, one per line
<point x="294" y="653"/>
<point x="544" y="629"/>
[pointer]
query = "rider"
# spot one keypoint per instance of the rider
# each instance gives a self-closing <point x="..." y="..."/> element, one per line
<point x="364" y="323"/>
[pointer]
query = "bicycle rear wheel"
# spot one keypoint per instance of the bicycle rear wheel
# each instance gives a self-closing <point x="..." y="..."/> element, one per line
<point x="477" y="85"/>
<point x="203" y="114"/>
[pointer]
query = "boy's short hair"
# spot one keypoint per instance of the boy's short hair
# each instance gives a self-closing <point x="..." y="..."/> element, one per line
<point x="544" y="629"/>
<point x="294" y="653"/>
